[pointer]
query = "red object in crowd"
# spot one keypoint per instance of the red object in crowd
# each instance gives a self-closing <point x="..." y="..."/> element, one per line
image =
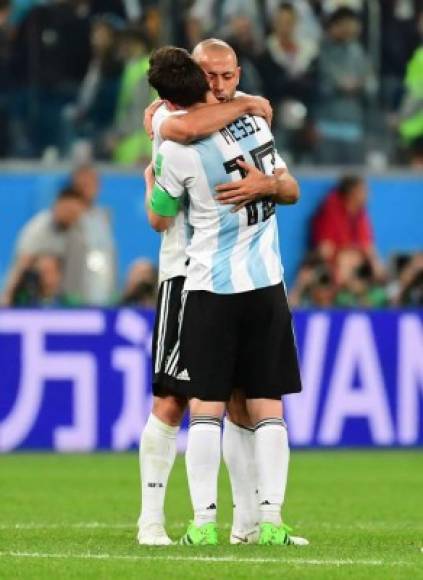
<point x="333" y="223"/>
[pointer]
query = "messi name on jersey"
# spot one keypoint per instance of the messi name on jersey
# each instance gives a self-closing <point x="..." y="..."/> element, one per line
<point x="240" y="129"/>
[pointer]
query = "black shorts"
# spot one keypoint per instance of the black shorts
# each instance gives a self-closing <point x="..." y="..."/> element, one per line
<point x="239" y="341"/>
<point x="165" y="334"/>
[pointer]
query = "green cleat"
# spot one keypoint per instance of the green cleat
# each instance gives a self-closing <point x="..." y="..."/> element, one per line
<point x="271" y="535"/>
<point x="205" y="535"/>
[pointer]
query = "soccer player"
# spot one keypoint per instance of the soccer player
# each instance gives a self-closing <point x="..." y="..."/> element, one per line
<point x="158" y="441"/>
<point x="235" y="327"/>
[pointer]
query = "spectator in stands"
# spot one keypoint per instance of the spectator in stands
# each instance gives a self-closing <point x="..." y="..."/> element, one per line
<point x="314" y="285"/>
<point x="92" y="113"/>
<point x="342" y="222"/>
<point x="345" y="81"/>
<point x="52" y="52"/>
<point x="241" y="36"/>
<point x="40" y="285"/>
<point x="91" y="254"/>
<point x="212" y="17"/>
<point x="128" y="142"/>
<point x="152" y="24"/>
<point x="356" y="282"/>
<point x="141" y="285"/>
<point x="407" y="287"/>
<point x="5" y="75"/>
<point x="287" y="61"/>
<point x="399" y="39"/>
<point x="287" y="69"/>
<point x="46" y="233"/>
<point x="411" y="112"/>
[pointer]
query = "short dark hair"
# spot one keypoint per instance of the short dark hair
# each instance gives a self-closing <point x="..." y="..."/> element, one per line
<point x="177" y="77"/>
<point x="348" y="182"/>
<point x="69" y="192"/>
<point x="343" y="13"/>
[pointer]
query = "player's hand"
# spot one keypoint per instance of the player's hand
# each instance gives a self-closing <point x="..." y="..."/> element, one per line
<point x="261" y="108"/>
<point x="253" y="186"/>
<point x="148" y="116"/>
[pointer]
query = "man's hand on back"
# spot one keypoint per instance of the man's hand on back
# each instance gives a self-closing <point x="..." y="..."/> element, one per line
<point x="282" y="187"/>
<point x="252" y="187"/>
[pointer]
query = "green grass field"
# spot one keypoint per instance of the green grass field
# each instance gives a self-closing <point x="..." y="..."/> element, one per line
<point x="74" y="517"/>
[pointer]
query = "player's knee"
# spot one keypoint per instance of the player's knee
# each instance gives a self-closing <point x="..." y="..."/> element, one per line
<point x="169" y="409"/>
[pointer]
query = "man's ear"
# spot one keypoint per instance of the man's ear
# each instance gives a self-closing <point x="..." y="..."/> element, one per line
<point x="239" y="70"/>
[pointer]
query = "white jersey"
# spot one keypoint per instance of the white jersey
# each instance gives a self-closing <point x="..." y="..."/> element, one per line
<point x="228" y="252"/>
<point x="172" y="259"/>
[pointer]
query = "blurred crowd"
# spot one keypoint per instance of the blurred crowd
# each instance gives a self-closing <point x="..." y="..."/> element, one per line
<point x="65" y="256"/>
<point x="345" y="77"/>
<point x="343" y="269"/>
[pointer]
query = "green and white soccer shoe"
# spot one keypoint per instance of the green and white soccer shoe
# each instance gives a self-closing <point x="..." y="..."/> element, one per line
<point x="205" y="535"/>
<point x="272" y="535"/>
<point x="153" y="535"/>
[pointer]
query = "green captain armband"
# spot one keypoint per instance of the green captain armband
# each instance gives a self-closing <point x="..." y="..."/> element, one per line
<point x="162" y="203"/>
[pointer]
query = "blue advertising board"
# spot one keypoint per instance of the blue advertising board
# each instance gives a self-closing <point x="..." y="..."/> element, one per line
<point x="79" y="380"/>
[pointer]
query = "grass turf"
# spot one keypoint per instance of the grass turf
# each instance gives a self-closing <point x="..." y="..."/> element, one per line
<point x="72" y="516"/>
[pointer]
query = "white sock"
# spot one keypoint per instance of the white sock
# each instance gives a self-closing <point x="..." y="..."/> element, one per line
<point x="157" y="455"/>
<point x="203" y="462"/>
<point x="272" y="460"/>
<point x="238" y="453"/>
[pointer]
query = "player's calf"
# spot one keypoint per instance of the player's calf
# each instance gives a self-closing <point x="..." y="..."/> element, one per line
<point x="203" y="462"/>
<point x="157" y="455"/>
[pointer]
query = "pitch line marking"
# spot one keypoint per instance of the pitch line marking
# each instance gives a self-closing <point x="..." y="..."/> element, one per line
<point x="370" y="526"/>
<point x="223" y="559"/>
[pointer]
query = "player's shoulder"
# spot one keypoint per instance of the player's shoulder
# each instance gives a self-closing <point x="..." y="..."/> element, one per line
<point x="40" y="221"/>
<point x="179" y="157"/>
<point x="173" y="148"/>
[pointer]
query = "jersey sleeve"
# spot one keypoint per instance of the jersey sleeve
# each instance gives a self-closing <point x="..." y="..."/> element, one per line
<point x="160" y="116"/>
<point x="175" y="170"/>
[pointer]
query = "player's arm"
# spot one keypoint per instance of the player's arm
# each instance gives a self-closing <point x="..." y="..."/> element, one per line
<point x="157" y="222"/>
<point x="173" y="171"/>
<point x="208" y="118"/>
<point x="162" y="208"/>
<point x="282" y="187"/>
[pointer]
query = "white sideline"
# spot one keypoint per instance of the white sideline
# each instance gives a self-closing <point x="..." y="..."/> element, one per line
<point x="224" y="559"/>
<point x="370" y="526"/>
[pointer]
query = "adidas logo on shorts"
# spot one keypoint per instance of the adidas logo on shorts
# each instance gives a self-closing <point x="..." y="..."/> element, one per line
<point x="183" y="376"/>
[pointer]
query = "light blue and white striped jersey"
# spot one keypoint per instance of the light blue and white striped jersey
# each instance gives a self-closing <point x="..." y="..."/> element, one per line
<point x="228" y="252"/>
